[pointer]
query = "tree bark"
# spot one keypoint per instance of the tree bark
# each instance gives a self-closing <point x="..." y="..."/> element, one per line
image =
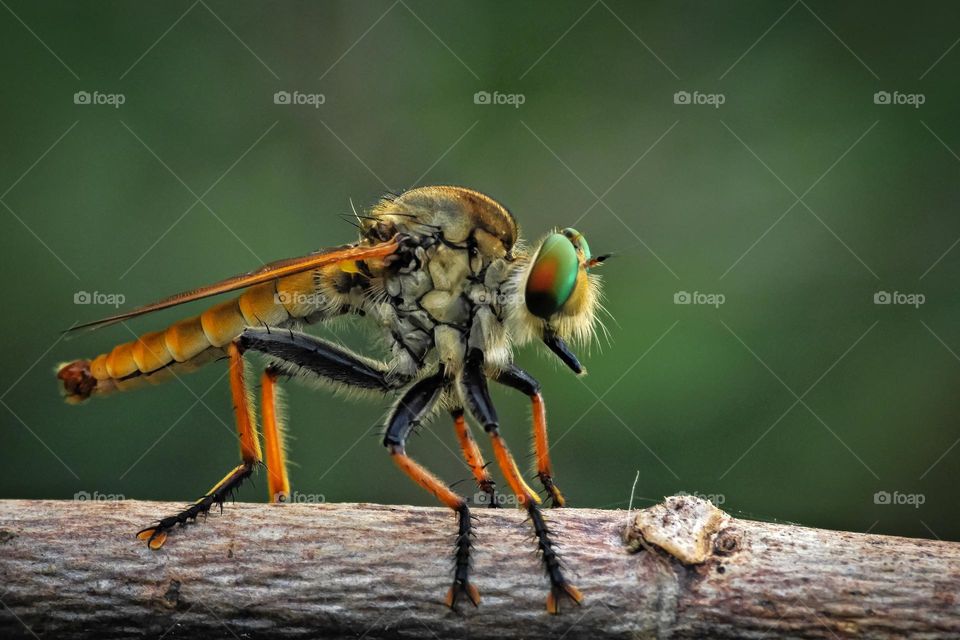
<point x="681" y="569"/>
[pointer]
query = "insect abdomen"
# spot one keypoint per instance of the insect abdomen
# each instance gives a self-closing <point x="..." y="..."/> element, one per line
<point x="271" y="304"/>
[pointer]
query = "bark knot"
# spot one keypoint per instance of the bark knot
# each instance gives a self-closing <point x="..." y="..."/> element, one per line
<point x="685" y="527"/>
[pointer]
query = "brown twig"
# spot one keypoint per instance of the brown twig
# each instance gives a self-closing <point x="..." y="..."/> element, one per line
<point x="682" y="569"/>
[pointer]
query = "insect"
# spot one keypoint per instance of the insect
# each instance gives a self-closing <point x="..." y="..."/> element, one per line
<point x="442" y="273"/>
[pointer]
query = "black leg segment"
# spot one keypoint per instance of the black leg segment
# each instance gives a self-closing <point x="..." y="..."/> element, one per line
<point x="317" y="356"/>
<point x="413" y="407"/>
<point x="416" y="403"/>
<point x="475" y="392"/>
<point x="517" y="378"/>
<point x="156" y="534"/>
<point x="477" y="398"/>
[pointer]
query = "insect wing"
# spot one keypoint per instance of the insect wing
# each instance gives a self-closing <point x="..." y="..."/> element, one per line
<point x="266" y="273"/>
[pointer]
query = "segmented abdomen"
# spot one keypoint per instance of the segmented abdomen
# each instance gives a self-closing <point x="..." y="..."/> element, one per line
<point x="272" y="304"/>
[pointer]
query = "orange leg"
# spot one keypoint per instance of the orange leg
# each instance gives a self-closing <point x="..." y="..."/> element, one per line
<point x="516" y="378"/>
<point x="474" y="459"/>
<point x="250" y="453"/>
<point x="278" y="483"/>
<point x="542" y="448"/>
<point x="249" y="443"/>
<point x="508" y="466"/>
<point x="529" y="501"/>
<point x="477" y="398"/>
<point x="419" y="474"/>
<point x="413" y="407"/>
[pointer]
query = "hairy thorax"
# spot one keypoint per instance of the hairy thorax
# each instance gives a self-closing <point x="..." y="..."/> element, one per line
<point x="446" y="291"/>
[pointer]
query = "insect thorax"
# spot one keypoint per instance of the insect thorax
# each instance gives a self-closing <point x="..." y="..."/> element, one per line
<point x="453" y="300"/>
<point x="449" y="289"/>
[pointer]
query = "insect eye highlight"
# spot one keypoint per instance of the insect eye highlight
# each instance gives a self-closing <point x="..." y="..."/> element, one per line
<point x="579" y="242"/>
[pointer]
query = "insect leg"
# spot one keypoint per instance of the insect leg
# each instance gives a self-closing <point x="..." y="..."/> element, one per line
<point x="306" y="354"/>
<point x="412" y="408"/>
<point x="278" y="484"/>
<point x="516" y="378"/>
<point x="302" y="354"/>
<point x="250" y="453"/>
<point x="477" y="398"/>
<point x="471" y="453"/>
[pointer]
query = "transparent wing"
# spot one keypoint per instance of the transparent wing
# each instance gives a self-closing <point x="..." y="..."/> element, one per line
<point x="267" y="272"/>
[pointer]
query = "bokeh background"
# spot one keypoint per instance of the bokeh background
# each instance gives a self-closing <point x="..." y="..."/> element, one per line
<point x="797" y="199"/>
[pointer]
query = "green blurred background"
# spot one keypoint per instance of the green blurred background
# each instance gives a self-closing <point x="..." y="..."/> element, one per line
<point x="695" y="198"/>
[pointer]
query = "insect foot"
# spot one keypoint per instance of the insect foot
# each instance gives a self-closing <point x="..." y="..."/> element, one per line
<point x="461" y="570"/>
<point x="462" y="589"/>
<point x="556" y="498"/>
<point x="156" y="535"/>
<point x="560" y="589"/>
<point x="559" y="592"/>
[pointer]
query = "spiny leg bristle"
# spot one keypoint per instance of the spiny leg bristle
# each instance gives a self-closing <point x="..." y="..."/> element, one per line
<point x="156" y="535"/>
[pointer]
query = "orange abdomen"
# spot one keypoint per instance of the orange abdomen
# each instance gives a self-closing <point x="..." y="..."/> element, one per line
<point x="272" y="303"/>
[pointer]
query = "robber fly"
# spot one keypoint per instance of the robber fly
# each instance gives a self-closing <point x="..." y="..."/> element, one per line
<point x="442" y="272"/>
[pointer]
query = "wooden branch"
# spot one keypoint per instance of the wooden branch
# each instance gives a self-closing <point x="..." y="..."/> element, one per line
<point x="681" y="569"/>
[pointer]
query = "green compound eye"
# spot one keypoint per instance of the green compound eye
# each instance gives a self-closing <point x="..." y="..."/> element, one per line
<point x="553" y="276"/>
